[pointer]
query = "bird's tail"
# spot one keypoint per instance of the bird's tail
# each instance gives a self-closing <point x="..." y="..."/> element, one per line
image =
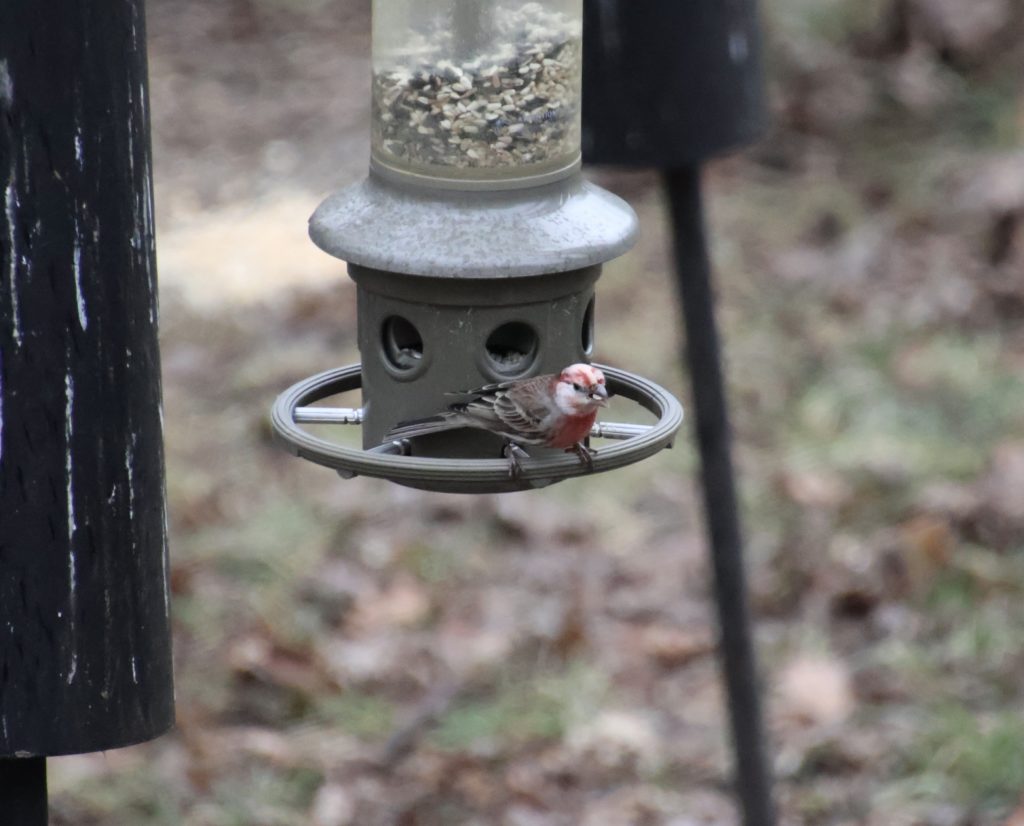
<point x="422" y="427"/>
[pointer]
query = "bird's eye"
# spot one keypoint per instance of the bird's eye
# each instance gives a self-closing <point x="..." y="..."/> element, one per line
<point x="577" y="387"/>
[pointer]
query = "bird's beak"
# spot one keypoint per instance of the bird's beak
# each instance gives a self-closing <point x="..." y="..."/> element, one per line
<point x="600" y="394"/>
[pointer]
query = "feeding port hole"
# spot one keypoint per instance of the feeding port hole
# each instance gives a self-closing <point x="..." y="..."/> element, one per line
<point x="403" y="344"/>
<point x="512" y="348"/>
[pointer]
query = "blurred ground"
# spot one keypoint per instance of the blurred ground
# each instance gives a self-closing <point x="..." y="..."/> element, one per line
<point x="357" y="653"/>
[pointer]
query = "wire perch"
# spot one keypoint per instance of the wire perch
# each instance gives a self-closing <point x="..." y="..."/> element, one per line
<point x="294" y="408"/>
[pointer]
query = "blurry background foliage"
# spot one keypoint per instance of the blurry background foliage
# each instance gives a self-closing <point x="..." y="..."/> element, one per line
<point x="357" y="653"/>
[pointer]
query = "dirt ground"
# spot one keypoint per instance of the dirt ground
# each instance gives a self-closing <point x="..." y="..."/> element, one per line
<point x="356" y="653"/>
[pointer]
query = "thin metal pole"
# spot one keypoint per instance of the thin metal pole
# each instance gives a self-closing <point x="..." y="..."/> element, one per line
<point x="23" y="791"/>
<point x="693" y="269"/>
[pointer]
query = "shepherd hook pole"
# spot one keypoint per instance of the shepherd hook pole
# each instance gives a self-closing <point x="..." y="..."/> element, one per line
<point x="693" y="271"/>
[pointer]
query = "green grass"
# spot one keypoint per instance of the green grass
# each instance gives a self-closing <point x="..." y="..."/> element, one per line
<point x="514" y="716"/>
<point x="522" y="710"/>
<point x="359" y="714"/>
<point x="136" y="796"/>
<point x="928" y="410"/>
<point x="986" y="114"/>
<point x="977" y="757"/>
<point x="434" y="562"/>
<point x="264" y="795"/>
<point x="258" y="559"/>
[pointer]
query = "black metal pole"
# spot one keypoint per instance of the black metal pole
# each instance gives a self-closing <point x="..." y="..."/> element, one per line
<point x="713" y="435"/>
<point x="23" y="791"/>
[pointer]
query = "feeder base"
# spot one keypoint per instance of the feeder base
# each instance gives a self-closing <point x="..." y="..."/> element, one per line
<point x="293" y="407"/>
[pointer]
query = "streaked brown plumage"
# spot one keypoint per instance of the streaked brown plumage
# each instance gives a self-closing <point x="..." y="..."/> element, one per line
<point x="555" y="410"/>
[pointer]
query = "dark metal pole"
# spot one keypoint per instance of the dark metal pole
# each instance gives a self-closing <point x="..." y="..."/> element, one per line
<point x="713" y="435"/>
<point x="23" y="791"/>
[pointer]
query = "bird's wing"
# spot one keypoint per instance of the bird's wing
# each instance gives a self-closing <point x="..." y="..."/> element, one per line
<point x="525" y="409"/>
<point x="514" y="409"/>
<point x="538" y="382"/>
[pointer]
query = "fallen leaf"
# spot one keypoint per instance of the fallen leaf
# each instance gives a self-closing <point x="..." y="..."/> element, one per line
<point x="404" y="603"/>
<point x="617" y="740"/>
<point x="926" y="544"/>
<point x="1016" y="817"/>
<point x="815" y="691"/>
<point x="367" y="660"/>
<point x="674" y="647"/>
<point x="335" y="588"/>
<point x="966" y="28"/>
<point x="332" y="806"/>
<point x="918" y="82"/>
<point x="1004" y="484"/>
<point x="273" y="747"/>
<point x="520" y="815"/>
<point x="815" y="488"/>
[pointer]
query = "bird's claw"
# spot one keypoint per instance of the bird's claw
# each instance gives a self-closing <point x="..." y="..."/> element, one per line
<point x="514" y="453"/>
<point x="585" y="454"/>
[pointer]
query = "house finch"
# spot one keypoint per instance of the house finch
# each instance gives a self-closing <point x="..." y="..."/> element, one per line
<point x="555" y="410"/>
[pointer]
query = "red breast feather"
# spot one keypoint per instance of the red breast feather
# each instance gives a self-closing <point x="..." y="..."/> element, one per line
<point x="572" y="429"/>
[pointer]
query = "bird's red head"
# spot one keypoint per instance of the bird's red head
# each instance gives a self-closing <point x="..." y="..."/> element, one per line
<point x="581" y="389"/>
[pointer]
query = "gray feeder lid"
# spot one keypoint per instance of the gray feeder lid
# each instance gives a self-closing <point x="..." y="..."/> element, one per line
<point x="557" y="227"/>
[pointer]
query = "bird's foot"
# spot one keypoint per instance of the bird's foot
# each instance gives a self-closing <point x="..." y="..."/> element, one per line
<point x="585" y="453"/>
<point x="514" y="453"/>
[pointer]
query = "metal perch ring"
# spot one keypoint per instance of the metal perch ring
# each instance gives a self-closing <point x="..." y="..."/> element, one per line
<point x="636" y="442"/>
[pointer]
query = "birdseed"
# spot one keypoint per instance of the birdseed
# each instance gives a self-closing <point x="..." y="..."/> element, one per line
<point x="515" y="106"/>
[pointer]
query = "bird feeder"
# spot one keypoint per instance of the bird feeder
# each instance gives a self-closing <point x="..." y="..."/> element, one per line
<point x="475" y="244"/>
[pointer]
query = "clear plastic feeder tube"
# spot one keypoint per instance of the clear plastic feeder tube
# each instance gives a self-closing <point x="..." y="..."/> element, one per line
<point x="476" y="92"/>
